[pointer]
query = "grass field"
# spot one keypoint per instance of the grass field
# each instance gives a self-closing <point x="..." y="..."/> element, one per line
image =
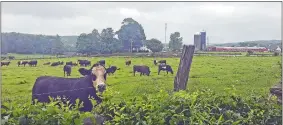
<point x="246" y="74"/>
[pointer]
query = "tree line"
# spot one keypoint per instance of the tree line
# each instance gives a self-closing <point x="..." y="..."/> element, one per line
<point x="129" y="37"/>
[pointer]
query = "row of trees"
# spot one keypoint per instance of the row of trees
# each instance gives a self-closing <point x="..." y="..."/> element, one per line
<point x="31" y="44"/>
<point x="130" y="35"/>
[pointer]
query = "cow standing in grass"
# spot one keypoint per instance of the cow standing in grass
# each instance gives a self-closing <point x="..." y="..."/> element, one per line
<point x="112" y="70"/>
<point x="72" y="88"/>
<point x="5" y="63"/>
<point x="144" y="70"/>
<point x="67" y="69"/>
<point x="163" y="67"/>
<point x="32" y="63"/>
<point x="128" y="63"/>
<point x="22" y="63"/>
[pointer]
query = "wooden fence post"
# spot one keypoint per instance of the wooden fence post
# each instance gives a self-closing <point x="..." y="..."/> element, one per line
<point x="181" y="78"/>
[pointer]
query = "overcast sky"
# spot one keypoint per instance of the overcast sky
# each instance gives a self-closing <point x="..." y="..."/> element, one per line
<point x="223" y="21"/>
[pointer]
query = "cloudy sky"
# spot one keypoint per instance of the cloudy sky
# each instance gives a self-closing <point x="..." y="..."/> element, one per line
<point x="223" y="21"/>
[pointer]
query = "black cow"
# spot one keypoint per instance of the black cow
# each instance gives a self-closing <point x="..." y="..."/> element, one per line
<point x="101" y="62"/>
<point x="111" y="70"/>
<point x="71" y="88"/>
<point x="32" y="63"/>
<point x="166" y="68"/>
<point x="57" y="63"/>
<point x="142" y="69"/>
<point x="84" y="62"/>
<point x="162" y="61"/>
<point x="67" y="69"/>
<point x="154" y="62"/>
<point x="48" y="63"/>
<point x="5" y="63"/>
<point x="128" y="62"/>
<point x="22" y="63"/>
<point x="71" y="63"/>
<point x="84" y="71"/>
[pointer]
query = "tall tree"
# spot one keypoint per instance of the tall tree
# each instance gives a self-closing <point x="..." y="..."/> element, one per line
<point x="109" y="43"/>
<point x="175" y="42"/>
<point x="57" y="45"/>
<point x="154" y="45"/>
<point x="131" y="32"/>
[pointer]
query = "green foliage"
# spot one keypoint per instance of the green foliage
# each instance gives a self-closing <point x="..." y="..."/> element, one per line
<point x="31" y="44"/>
<point x="276" y="54"/>
<point x="154" y="45"/>
<point x="175" y="42"/>
<point x="131" y="31"/>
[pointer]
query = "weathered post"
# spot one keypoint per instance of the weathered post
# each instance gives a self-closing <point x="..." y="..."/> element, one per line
<point x="181" y="78"/>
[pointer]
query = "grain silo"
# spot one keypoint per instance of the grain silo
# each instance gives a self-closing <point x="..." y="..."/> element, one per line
<point x="197" y="41"/>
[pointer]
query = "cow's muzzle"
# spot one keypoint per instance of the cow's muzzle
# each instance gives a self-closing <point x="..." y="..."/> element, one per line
<point x="101" y="87"/>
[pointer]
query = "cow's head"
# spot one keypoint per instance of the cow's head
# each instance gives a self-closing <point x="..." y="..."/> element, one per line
<point x="99" y="73"/>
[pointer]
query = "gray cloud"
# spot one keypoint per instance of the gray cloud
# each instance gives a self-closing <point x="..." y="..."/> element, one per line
<point x="223" y="21"/>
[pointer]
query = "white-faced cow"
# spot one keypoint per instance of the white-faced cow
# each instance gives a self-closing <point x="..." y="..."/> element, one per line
<point x="72" y="88"/>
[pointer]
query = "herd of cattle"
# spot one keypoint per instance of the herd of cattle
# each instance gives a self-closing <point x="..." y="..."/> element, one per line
<point x="143" y="69"/>
<point x="92" y="82"/>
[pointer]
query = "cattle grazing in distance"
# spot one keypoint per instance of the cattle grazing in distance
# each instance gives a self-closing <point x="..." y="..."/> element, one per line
<point x="67" y="70"/>
<point x="71" y="63"/>
<point x="84" y="63"/>
<point x="101" y="62"/>
<point x="47" y="63"/>
<point x="5" y="63"/>
<point x="128" y="63"/>
<point x="22" y="63"/>
<point x="112" y="70"/>
<point x="154" y="62"/>
<point x="57" y="63"/>
<point x="32" y="63"/>
<point x="163" y="67"/>
<point x="144" y="70"/>
<point x="84" y="71"/>
<point x="72" y="88"/>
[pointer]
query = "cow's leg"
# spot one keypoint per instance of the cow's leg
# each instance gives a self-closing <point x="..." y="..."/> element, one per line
<point x="158" y="71"/>
<point x="167" y="71"/>
<point x="141" y="73"/>
<point x="134" y="73"/>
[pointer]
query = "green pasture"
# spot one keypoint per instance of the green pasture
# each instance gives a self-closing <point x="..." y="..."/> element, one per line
<point x="246" y="74"/>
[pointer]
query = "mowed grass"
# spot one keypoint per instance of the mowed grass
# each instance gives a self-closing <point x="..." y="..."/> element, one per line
<point x="246" y="74"/>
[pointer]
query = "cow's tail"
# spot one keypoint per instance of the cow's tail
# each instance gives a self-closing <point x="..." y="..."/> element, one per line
<point x="64" y="73"/>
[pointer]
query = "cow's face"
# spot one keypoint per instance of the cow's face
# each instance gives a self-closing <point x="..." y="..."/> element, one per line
<point x="99" y="72"/>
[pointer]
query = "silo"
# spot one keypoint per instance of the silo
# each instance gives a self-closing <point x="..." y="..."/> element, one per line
<point x="197" y="41"/>
<point x="203" y="40"/>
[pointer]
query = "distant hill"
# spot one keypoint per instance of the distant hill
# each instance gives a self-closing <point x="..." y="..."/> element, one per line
<point x="270" y="44"/>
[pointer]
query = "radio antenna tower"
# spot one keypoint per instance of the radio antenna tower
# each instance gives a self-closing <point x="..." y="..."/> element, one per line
<point x="165" y="34"/>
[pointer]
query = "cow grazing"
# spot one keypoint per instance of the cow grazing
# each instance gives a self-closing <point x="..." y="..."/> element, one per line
<point x="162" y="61"/>
<point x="84" y="71"/>
<point x="101" y="62"/>
<point x="67" y="69"/>
<point x="57" y="63"/>
<point x="71" y="63"/>
<point x="32" y="63"/>
<point x="72" y="88"/>
<point x="5" y="63"/>
<point x="142" y="69"/>
<point x="111" y="70"/>
<point x="166" y="68"/>
<point x="47" y="63"/>
<point x="154" y="62"/>
<point x="22" y="63"/>
<point x="128" y="62"/>
<point x="84" y="63"/>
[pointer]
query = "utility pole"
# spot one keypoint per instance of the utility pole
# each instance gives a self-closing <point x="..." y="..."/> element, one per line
<point x="165" y="34"/>
<point x="131" y="46"/>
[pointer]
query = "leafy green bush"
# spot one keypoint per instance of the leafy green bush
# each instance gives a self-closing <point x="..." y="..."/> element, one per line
<point x="182" y="108"/>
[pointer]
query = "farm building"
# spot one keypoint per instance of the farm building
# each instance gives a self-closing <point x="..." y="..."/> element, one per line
<point x="237" y="49"/>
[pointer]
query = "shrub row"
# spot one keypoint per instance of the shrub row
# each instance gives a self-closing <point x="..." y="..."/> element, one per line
<point x="179" y="108"/>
